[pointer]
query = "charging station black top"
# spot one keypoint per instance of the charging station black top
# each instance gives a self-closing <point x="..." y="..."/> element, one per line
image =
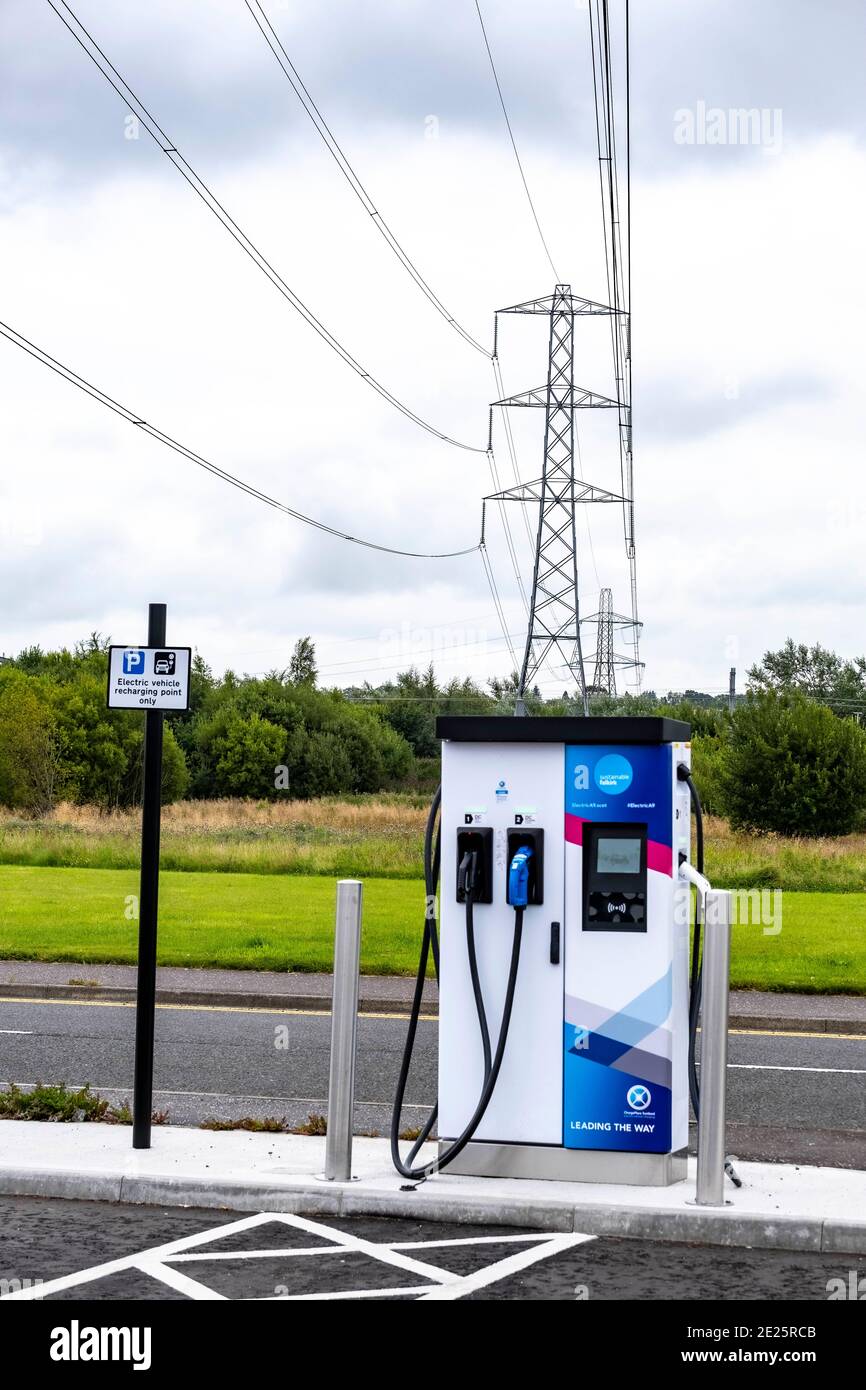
<point x="607" y="728"/>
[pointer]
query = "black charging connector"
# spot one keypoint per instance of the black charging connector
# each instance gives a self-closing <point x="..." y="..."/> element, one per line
<point x="475" y="865"/>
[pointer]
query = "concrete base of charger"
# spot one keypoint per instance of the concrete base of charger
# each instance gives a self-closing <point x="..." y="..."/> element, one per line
<point x="483" y="1159"/>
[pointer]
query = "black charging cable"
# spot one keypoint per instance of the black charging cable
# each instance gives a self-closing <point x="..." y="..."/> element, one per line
<point x="492" y="1063"/>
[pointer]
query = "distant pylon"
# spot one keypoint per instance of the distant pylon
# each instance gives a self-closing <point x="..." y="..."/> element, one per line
<point x="554" y="614"/>
<point x="607" y="658"/>
<point x="604" y="680"/>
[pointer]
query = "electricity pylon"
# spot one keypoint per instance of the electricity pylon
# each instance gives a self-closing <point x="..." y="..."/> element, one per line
<point x="554" y="614"/>
<point x="604" y="678"/>
<point x="607" y="659"/>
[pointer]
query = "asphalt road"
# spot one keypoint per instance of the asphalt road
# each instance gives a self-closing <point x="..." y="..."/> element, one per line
<point x="790" y="1097"/>
<point x="105" y="1251"/>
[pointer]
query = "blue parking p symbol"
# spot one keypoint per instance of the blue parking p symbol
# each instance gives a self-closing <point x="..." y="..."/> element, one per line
<point x="133" y="662"/>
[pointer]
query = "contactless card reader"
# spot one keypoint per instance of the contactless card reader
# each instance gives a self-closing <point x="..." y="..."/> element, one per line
<point x="614" y="878"/>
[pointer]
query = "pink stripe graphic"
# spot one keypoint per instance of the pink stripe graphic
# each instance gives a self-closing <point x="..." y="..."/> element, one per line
<point x="574" y="828"/>
<point x="660" y="858"/>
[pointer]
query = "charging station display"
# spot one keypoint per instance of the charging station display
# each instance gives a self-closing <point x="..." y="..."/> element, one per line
<point x="621" y="856"/>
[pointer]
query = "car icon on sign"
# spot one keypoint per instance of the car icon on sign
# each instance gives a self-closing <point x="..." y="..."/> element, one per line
<point x="163" y="663"/>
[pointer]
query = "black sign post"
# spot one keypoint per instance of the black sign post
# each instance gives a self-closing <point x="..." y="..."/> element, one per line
<point x="154" y="679"/>
<point x="148" y="902"/>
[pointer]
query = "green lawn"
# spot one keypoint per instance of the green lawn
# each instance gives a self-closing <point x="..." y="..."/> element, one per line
<point x="286" y="922"/>
<point x="245" y="921"/>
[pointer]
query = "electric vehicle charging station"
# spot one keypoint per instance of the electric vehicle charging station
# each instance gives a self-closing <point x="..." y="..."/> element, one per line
<point x="564" y="865"/>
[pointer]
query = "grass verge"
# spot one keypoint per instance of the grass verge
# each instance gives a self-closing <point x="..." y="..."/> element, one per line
<point x="239" y="921"/>
<point x="60" y="1105"/>
<point x="368" y="837"/>
<point x="245" y="921"/>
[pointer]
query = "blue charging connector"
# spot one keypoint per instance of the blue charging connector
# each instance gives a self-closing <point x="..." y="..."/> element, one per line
<point x="518" y="877"/>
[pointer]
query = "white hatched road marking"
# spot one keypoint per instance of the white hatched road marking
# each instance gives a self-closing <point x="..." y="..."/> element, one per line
<point x="158" y="1252"/>
<point x="467" y="1240"/>
<point x="180" y="1282"/>
<point x="161" y="1261"/>
<point x="368" y="1247"/>
<point x="502" y="1269"/>
<point x="332" y="1297"/>
<point x="292" y="1250"/>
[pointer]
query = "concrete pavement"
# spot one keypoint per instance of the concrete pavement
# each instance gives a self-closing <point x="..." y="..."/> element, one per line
<point x="779" y="1206"/>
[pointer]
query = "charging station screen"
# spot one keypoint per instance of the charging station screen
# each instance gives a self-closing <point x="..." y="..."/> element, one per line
<point x="618" y="856"/>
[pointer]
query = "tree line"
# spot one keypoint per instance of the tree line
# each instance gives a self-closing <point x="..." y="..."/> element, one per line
<point x="790" y="757"/>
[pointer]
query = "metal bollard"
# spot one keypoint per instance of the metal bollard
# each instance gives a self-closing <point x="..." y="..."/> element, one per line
<point x="344" y="1028"/>
<point x="714" y="1048"/>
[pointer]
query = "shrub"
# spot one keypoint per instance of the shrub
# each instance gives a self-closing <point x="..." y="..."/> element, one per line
<point x="708" y="757"/>
<point x="792" y="766"/>
<point x="247" y="754"/>
<point x="29" y="754"/>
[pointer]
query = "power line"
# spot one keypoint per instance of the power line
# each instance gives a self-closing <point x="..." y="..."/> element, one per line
<point x="134" y="419"/>
<point x="277" y="47"/>
<point x="617" y="266"/>
<point x="514" y="142"/>
<point x="509" y="439"/>
<point x="295" y="80"/>
<point x="497" y="603"/>
<point x="300" y="89"/>
<point x="185" y="169"/>
<point x="298" y="85"/>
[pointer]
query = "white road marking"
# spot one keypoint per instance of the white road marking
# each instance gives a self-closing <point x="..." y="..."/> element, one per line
<point x="294" y="1250"/>
<point x="274" y="1254"/>
<point x="767" y="1066"/>
<point x="466" y="1240"/>
<point x="503" y="1269"/>
<point x="180" y="1282"/>
<point x="367" y="1247"/>
<point x="18" y="1032"/>
<point x="161" y="1262"/>
<point x="157" y="1253"/>
<point x="344" y="1294"/>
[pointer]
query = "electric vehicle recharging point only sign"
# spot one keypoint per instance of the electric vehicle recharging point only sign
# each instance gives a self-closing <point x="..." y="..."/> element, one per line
<point x="149" y="678"/>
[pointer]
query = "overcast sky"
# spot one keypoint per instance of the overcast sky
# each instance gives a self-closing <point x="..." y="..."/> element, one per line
<point x="748" y="312"/>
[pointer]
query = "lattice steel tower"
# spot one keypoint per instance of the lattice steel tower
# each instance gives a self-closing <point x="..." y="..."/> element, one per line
<point x="604" y="679"/>
<point x="607" y="659"/>
<point x="554" y="615"/>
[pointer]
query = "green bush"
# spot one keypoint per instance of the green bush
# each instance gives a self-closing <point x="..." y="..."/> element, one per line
<point x="29" y="755"/>
<point x="319" y="765"/>
<point x="708" y="756"/>
<point x="793" y="766"/>
<point x="175" y="777"/>
<point x="58" y="740"/>
<point x="247" y="753"/>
